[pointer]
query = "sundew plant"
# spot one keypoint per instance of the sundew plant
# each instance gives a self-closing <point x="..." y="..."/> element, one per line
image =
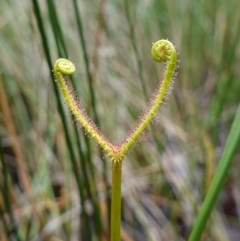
<point x="162" y="51"/>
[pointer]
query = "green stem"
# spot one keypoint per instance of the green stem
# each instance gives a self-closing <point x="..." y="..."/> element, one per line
<point x="218" y="181"/>
<point x="116" y="202"/>
<point x="162" y="51"/>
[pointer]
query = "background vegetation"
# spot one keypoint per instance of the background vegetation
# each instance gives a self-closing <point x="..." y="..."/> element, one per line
<point x="54" y="182"/>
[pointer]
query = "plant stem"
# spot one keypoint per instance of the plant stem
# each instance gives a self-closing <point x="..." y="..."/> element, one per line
<point x="116" y="202"/>
<point x="218" y="181"/>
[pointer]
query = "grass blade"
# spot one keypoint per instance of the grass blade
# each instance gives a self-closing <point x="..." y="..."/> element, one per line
<point x="60" y="109"/>
<point x="218" y="181"/>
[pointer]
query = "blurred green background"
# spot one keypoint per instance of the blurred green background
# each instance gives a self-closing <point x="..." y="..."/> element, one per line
<point x="55" y="183"/>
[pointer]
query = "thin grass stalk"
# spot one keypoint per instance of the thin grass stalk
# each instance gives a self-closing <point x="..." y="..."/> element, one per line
<point x="218" y="180"/>
<point x="90" y="85"/>
<point x="61" y="112"/>
<point x="89" y="80"/>
<point x="86" y="60"/>
<point x="89" y="77"/>
<point x="62" y="50"/>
